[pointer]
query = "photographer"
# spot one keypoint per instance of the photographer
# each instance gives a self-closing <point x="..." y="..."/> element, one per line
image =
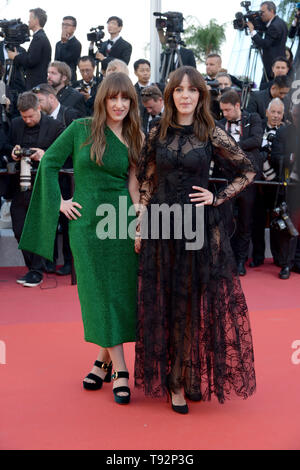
<point x="89" y="84"/>
<point x="295" y="31"/>
<point x="31" y="134"/>
<point x="266" y="196"/>
<point x="115" y="48"/>
<point x="246" y="129"/>
<point x="273" y="43"/>
<point x="59" y="77"/>
<point x="283" y="161"/>
<point x="68" y="49"/>
<point x="35" y="61"/>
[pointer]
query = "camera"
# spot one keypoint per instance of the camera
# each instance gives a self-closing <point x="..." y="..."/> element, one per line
<point x="25" y="167"/>
<point x="97" y="35"/>
<point x="14" y="33"/>
<point x="240" y="21"/>
<point x="282" y="220"/>
<point x="172" y="21"/>
<point x="82" y="88"/>
<point x="214" y="87"/>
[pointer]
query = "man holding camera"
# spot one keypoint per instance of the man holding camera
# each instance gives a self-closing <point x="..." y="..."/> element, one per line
<point x="30" y="136"/>
<point x="89" y="84"/>
<point x="273" y="43"/>
<point x="115" y="48"/>
<point x="267" y="198"/>
<point x="68" y="49"/>
<point x="35" y="61"/>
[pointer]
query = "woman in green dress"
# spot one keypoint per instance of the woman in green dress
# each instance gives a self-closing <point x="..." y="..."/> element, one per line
<point x="105" y="149"/>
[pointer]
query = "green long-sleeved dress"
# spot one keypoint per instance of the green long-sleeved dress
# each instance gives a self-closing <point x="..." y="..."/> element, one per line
<point x="106" y="268"/>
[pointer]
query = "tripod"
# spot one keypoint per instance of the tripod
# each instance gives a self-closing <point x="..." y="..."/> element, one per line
<point x="168" y="60"/>
<point x="250" y="69"/>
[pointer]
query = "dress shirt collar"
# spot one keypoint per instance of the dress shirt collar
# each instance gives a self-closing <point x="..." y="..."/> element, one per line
<point x="55" y="112"/>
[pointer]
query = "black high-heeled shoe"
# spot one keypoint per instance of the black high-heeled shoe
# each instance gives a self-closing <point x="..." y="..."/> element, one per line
<point x="98" y="382"/>
<point x="121" y="399"/>
<point x="182" y="409"/>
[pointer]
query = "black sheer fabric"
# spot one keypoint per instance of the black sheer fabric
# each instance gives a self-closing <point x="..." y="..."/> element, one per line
<point x="193" y="327"/>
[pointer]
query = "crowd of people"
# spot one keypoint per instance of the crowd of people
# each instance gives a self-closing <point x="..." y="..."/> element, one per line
<point x="201" y="146"/>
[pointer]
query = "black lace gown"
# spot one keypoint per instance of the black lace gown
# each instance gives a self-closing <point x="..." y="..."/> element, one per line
<point x="193" y="327"/>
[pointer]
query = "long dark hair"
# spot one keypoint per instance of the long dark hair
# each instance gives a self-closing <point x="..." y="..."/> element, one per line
<point x="203" y="120"/>
<point x="111" y="86"/>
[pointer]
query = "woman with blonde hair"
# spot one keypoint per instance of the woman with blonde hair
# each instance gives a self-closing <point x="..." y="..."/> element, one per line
<point x="193" y="332"/>
<point x="105" y="150"/>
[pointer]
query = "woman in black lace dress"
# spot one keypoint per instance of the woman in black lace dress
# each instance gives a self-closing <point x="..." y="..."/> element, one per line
<point x="193" y="331"/>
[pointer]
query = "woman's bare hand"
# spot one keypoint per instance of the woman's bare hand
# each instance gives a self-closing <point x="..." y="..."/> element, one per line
<point x="68" y="207"/>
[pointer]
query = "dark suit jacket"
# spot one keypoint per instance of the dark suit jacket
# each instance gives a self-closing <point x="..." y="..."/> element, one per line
<point x="36" y="60"/>
<point x="66" y="115"/>
<point x="121" y="49"/>
<point x="259" y="101"/>
<point x="284" y="143"/>
<point x="251" y="138"/>
<point x="273" y="44"/>
<point x="68" y="96"/>
<point x="187" y="57"/>
<point x="69" y="52"/>
<point x="17" y="78"/>
<point x="89" y="104"/>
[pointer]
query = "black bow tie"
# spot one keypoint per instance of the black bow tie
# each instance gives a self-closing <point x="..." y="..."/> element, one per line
<point x="272" y="128"/>
<point x="237" y="123"/>
<point x="110" y="42"/>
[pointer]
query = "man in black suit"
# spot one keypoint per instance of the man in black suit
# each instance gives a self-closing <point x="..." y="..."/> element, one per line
<point x="59" y="77"/>
<point x="115" y="48"/>
<point x="35" y="61"/>
<point x="259" y="100"/>
<point x="35" y="131"/>
<point x="153" y="102"/>
<point x="68" y="49"/>
<point x="295" y="31"/>
<point x="89" y="84"/>
<point x="273" y="43"/>
<point x="280" y="66"/>
<point x="247" y="130"/>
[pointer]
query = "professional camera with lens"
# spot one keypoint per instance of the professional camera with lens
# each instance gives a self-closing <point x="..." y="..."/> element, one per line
<point x="14" y="33"/>
<point x="214" y="87"/>
<point x="282" y="220"/>
<point x="240" y="21"/>
<point x="97" y="35"/>
<point x="172" y="21"/>
<point x="25" y="167"/>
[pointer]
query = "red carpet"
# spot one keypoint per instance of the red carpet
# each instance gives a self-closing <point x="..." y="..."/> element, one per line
<point x="43" y="404"/>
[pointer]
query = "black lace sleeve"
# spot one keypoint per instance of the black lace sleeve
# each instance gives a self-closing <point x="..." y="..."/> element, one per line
<point x="228" y="149"/>
<point x="146" y="168"/>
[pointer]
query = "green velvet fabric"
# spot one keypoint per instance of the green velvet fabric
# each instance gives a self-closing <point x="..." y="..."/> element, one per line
<point x="106" y="266"/>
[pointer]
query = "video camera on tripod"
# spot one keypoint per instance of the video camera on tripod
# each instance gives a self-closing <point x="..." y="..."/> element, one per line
<point x="240" y="21"/>
<point x="96" y="36"/>
<point x="172" y="21"/>
<point x="14" y="33"/>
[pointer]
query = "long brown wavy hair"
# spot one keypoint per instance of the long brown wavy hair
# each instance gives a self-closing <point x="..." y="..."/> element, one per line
<point x="203" y="120"/>
<point x="111" y="86"/>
